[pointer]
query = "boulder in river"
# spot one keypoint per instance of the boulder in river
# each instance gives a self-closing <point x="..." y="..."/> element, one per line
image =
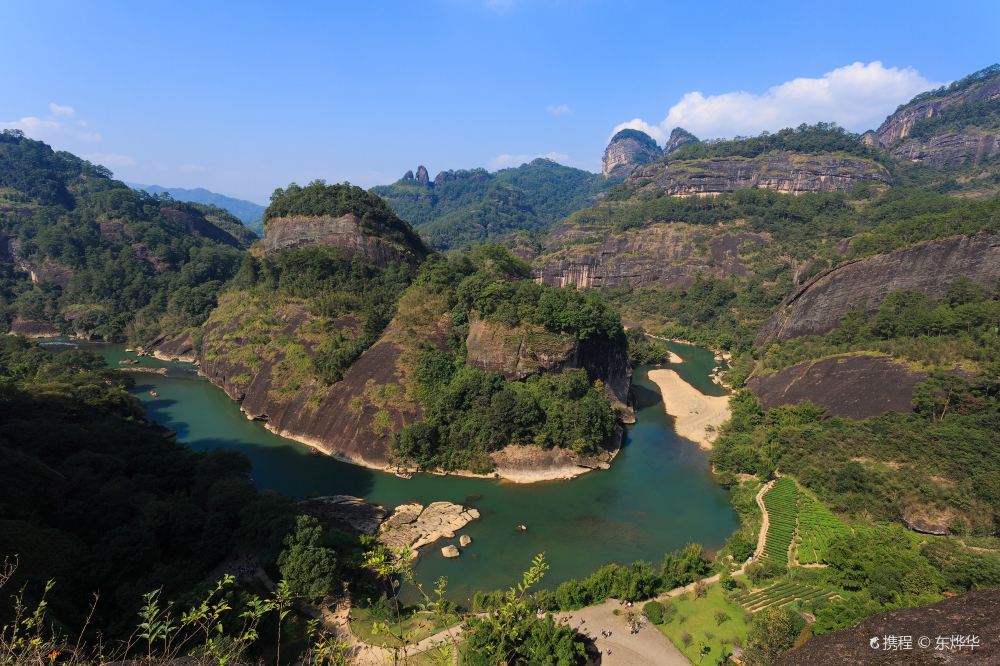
<point x="450" y="551"/>
<point x="464" y="540"/>
<point x="413" y="525"/>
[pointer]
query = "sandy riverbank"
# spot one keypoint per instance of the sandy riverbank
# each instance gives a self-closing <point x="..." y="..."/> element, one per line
<point x="693" y="411"/>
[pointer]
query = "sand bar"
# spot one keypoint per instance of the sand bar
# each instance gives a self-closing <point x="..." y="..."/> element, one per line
<point x="693" y="411"/>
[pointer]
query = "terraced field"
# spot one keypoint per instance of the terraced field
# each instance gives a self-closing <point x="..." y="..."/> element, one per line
<point x="817" y="527"/>
<point x="781" y="502"/>
<point x="779" y="595"/>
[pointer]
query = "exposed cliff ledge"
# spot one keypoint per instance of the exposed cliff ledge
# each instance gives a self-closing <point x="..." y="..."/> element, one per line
<point x="520" y="352"/>
<point x="853" y="385"/>
<point x="344" y="232"/>
<point x="790" y="173"/>
<point x="818" y="306"/>
<point x="661" y="255"/>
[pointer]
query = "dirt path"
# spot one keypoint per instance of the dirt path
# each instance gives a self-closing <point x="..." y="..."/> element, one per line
<point x="762" y="536"/>
<point x="622" y="648"/>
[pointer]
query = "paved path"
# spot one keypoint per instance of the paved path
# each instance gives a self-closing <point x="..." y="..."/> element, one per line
<point x="649" y="646"/>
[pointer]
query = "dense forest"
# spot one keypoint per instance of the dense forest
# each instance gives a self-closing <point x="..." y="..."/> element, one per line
<point x="463" y="207"/>
<point x="470" y="413"/>
<point x="112" y="263"/>
<point x="818" y="138"/>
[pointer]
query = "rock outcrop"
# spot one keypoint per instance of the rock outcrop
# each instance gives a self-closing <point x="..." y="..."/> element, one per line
<point x="853" y="385"/>
<point x="975" y="613"/>
<point x="422" y="176"/>
<point x="818" y="306"/>
<point x="346" y="512"/>
<point x="790" y="173"/>
<point x="520" y="352"/>
<point x="628" y="149"/>
<point x="32" y="328"/>
<point x="664" y="256"/>
<point x="414" y="526"/>
<point x="678" y="137"/>
<point x="345" y="232"/>
<point x="450" y="551"/>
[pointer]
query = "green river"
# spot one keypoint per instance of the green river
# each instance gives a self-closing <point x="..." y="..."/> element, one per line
<point x="657" y="496"/>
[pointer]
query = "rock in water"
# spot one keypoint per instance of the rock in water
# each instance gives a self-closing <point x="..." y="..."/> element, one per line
<point x="414" y="526"/>
<point x="450" y="551"/>
<point x="464" y="540"/>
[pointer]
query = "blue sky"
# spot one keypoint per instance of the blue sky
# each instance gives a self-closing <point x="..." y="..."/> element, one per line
<point x="245" y="97"/>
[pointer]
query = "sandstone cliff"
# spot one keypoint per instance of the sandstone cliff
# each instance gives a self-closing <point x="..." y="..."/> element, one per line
<point x="981" y="86"/>
<point x="818" y="306"/>
<point x="628" y="149"/>
<point x="665" y="255"/>
<point x="791" y="173"/>
<point x="964" y="132"/>
<point x="344" y="232"/>
<point x="521" y="352"/>
<point x="853" y="385"/>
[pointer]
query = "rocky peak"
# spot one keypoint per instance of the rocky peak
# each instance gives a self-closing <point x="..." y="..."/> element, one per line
<point x="422" y="176"/>
<point x="628" y="149"/>
<point x="408" y="175"/>
<point x="444" y="176"/>
<point x="678" y="137"/>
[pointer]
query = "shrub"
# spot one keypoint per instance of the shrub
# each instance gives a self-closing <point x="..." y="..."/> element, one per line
<point x="654" y="611"/>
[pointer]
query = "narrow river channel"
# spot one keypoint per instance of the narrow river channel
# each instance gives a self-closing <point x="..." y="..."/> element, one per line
<point x="658" y="495"/>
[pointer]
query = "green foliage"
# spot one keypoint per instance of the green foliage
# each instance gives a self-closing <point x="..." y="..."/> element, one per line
<point x="113" y="262"/>
<point x="781" y="502"/>
<point x="466" y="207"/>
<point x="772" y="632"/>
<point x="511" y="633"/>
<point x="306" y="564"/>
<point x="93" y="497"/>
<point x="818" y="138"/>
<point x="318" y="199"/>
<point x="654" y="611"/>
<point x="644" y="350"/>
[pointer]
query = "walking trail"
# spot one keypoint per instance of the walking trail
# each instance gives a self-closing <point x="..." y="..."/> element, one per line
<point x="647" y="647"/>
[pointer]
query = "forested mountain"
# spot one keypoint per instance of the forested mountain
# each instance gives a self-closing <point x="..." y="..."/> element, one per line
<point x="462" y="207"/>
<point x="249" y="213"/>
<point x="82" y="253"/>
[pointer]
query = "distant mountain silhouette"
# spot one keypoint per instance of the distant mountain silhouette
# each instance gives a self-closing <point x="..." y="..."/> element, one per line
<point x="251" y="214"/>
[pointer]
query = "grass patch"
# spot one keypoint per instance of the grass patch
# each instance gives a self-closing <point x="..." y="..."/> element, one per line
<point x="415" y="627"/>
<point x="696" y="617"/>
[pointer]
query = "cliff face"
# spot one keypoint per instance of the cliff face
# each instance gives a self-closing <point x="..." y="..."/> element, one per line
<point x="951" y="148"/>
<point x="898" y="125"/>
<point x="818" y="306"/>
<point x="661" y="255"/>
<point x="855" y="385"/>
<point x="627" y="150"/>
<point x="344" y="232"/>
<point x="519" y="353"/>
<point x="352" y="419"/>
<point x="791" y="173"/>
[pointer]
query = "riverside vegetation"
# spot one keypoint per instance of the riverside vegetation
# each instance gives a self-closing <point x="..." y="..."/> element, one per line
<point x="95" y="499"/>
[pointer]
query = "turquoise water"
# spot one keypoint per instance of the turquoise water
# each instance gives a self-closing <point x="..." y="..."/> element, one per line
<point x="657" y="496"/>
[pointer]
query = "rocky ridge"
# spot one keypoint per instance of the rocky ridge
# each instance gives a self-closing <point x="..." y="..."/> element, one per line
<point x="818" y="306"/>
<point x="414" y="525"/>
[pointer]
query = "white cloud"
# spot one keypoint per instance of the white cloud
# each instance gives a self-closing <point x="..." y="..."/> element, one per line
<point x="110" y="159"/>
<point x="558" y="109"/>
<point x="62" y="110"/>
<point x="56" y="127"/>
<point x="510" y="160"/>
<point x="856" y="96"/>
